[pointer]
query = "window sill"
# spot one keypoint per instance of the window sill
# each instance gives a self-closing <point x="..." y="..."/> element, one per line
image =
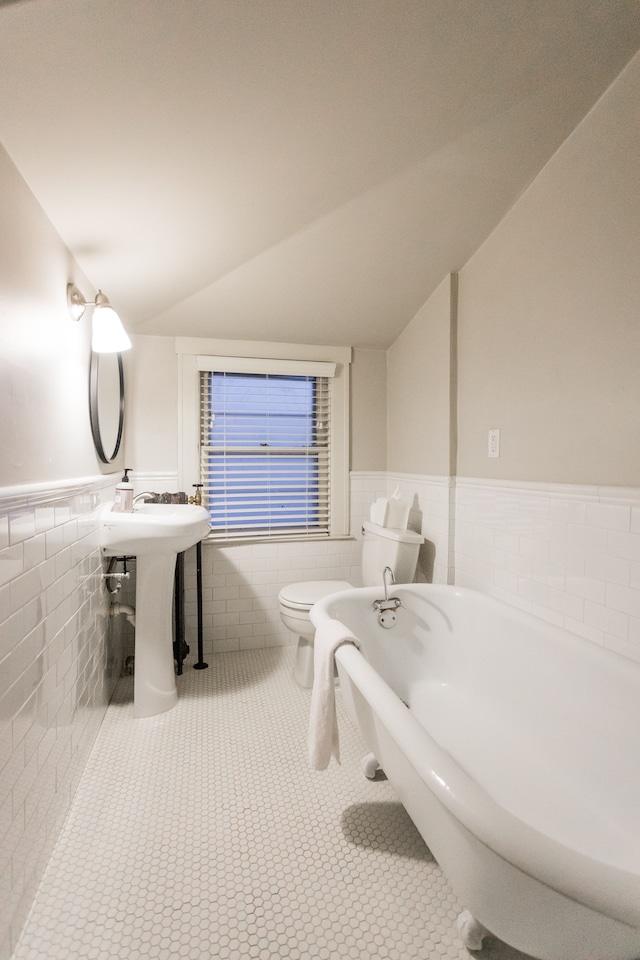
<point x="248" y="541"/>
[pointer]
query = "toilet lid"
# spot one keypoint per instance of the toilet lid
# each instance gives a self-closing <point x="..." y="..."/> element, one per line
<point x="304" y="595"/>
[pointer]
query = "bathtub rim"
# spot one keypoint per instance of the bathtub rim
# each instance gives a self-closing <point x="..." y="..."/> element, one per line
<point x="611" y="890"/>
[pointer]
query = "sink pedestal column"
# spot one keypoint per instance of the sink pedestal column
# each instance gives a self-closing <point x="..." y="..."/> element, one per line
<point x="154" y="683"/>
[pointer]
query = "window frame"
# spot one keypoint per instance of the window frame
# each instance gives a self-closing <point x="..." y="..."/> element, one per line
<point x="267" y="357"/>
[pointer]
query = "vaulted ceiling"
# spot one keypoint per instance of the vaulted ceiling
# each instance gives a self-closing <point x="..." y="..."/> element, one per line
<point x="292" y="170"/>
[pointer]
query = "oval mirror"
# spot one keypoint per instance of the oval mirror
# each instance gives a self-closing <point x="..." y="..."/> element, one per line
<point x="106" y="403"/>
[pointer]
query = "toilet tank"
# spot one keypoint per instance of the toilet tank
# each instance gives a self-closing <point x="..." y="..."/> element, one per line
<point x="388" y="547"/>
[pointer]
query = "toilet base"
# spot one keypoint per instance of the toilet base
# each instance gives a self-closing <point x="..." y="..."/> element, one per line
<point x="303" y="666"/>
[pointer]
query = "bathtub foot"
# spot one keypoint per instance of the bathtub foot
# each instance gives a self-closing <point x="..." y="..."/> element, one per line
<point x="370" y="767"/>
<point x="471" y="931"/>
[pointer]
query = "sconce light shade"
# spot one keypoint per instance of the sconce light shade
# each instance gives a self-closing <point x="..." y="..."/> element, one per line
<point x="108" y="334"/>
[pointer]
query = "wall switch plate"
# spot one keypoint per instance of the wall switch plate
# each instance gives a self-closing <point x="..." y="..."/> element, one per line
<point x="494" y="443"/>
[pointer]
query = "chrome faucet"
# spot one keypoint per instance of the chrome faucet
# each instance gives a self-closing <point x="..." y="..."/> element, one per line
<point x="389" y="603"/>
<point x="147" y="495"/>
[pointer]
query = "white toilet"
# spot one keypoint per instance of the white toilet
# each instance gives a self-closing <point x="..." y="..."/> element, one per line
<point x="382" y="547"/>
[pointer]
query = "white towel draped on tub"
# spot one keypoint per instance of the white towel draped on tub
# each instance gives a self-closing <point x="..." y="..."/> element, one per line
<point x="323" y="725"/>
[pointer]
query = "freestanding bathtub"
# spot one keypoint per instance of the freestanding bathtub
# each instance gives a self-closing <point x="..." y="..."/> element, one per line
<point x="515" y="748"/>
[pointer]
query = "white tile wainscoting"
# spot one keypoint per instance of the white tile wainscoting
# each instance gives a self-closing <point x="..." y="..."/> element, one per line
<point x="241" y="585"/>
<point x="58" y="668"/>
<point x="241" y="582"/>
<point x="432" y="514"/>
<point x="569" y="554"/>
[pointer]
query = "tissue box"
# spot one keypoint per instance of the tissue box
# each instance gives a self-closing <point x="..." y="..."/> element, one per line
<point x="397" y="514"/>
<point x="391" y="512"/>
<point x="379" y="512"/>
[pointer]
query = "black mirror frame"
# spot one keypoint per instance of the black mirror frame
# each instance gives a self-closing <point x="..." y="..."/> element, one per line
<point x="94" y="413"/>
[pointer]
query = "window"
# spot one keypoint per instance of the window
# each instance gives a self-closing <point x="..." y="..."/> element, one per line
<point x="264" y="453"/>
<point x="271" y="436"/>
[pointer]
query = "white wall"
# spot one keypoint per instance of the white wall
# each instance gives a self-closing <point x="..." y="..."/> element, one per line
<point x="549" y="338"/>
<point x="419" y="370"/>
<point x="369" y="410"/>
<point x="57" y="662"/>
<point x="44" y="356"/>
<point x="548" y="335"/>
<point x="151" y="443"/>
<point x="548" y="344"/>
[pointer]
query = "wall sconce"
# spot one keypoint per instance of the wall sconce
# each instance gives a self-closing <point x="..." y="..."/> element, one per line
<point x="108" y="334"/>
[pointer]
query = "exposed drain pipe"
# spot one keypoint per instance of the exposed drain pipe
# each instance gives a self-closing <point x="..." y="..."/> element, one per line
<point x="130" y="612"/>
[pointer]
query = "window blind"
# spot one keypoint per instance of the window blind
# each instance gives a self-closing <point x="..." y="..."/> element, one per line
<point x="265" y="451"/>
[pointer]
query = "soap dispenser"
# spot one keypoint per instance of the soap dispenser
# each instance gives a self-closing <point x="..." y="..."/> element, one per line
<point x="123" y="502"/>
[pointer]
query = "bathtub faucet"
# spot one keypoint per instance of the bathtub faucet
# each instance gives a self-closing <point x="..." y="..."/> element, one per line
<point x="389" y="603"/>
<point x="392" y="580"/>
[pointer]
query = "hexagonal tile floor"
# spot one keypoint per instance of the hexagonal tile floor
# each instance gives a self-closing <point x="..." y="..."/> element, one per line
<point x="202" y="833"/>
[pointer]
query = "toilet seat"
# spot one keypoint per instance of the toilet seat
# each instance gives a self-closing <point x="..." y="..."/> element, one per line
<point x="302" y="596"/>
<point x="295" y="601"/>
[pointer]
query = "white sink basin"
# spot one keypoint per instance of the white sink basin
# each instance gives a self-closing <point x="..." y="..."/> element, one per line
<point x="155" y="533"/>
<point x="152" y="527"/>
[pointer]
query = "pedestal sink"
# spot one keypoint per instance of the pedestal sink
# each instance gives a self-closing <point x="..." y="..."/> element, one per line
<point x="155" y="533"/>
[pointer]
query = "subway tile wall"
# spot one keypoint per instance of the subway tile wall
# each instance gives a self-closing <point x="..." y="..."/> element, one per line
<point x="58" y="664"/>
<point x="431" y="514"/>
<point x="241" y="583"/>
<point x="569" y="554"/>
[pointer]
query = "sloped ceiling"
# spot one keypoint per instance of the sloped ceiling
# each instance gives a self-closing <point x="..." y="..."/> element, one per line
<point x="292" y="170"/>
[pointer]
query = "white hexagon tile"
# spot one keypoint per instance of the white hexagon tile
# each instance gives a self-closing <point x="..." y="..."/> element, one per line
<point x="202" y="833"/>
